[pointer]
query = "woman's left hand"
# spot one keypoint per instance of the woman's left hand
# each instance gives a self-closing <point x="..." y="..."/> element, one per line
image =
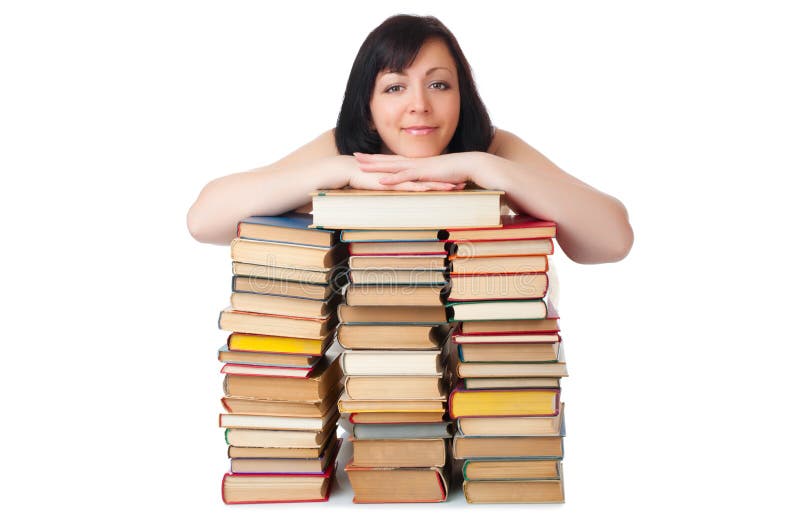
<point x="448" y="168"/>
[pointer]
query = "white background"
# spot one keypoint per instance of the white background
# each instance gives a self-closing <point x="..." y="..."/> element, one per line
<point x="683" y="357"/>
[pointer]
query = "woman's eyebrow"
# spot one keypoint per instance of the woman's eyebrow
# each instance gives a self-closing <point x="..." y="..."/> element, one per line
<point x="403" y="72"/>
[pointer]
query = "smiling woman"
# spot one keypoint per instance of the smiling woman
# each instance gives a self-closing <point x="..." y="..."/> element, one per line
<point x="412" y="119"/>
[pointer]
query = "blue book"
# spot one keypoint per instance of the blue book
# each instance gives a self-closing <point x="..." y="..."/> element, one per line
<point x="289" y="228"/>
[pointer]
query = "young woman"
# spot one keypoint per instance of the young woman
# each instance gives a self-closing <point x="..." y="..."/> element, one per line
<point x="411" y="119"/>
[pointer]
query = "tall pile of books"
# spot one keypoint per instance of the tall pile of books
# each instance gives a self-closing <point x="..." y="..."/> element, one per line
<point x="507" y="407"/>
<point x="280" y="386"/>
<point x="393" y="328"/>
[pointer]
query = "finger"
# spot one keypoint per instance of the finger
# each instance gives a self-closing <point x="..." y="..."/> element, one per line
<point x="377" y="157"/>
<point x="388" y="166"/>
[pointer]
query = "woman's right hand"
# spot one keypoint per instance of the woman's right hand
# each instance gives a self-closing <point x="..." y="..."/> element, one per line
<point x="371" y="180"/>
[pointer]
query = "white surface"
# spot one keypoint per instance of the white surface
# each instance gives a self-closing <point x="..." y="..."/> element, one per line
<point x="683" y="361"/>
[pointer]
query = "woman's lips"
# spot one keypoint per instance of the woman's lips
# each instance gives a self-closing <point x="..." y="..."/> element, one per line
<point x="419" y="130"/>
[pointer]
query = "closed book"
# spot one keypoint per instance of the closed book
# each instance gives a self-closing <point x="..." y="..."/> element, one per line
<point x="496" y="310"/>
<point x="364" y="418"/>
<point x="394" y="295"/>
<point x="512" y="469"/>
<point x="291" y="227"/>
<point x="514" y="491"/>
<point x="512" y="369"/>
<point x="286" y="288"/>
<point x="261" y="343"/>
<point x="501" y="248"/>
<point x="507" y="446"/>
<point x="311" y="452"/>
<point x="316" y="464"/>
<point x="266" y="371"/>
<point x="484" y="383"/>
<point x="278" y="438"/>
<point x="548" y="324"/>
<point x="323" y="380"/>
<point x="507" y="352"/>
<point x="392" y="362"/>
<point x="391" y="315"/>
<point x="396" y="387"/>
<point x="253" y="421"/>
<point x="397" y="235"/>
<point x="270" y="324"/>
<point x="286" y="255"/>
<point x="350" y="405"/>
<point x="390" y="276"/>
<point x="378" y="209"/>
<point x="384" y="485"/>
<point x="383" y="431"/>
<point x="497" y="287"/>
<point x="267" y="407"/>
<point x="392" y="336"/>
<point x="284" y="305"/>
<point x="512" y="402"/>
<point x="277" y="487"/>
<point x="225" y="355"/>
<point x="399" y="262"/>
<point x="512" y="425"/>
<point x="512" y="227"/>
<point x="323" y="276"/>
<point x="400" y="453"/>
<point x="396" y="248"/>
<point x="486" y="265"/>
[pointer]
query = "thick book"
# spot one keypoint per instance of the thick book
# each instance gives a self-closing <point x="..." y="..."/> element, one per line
<point x="399" y="262"/>
<point x="261" y="343"/>
<point x="385" y="485"/>
<point x="286" y="288"/>
<point x="384" y="418"/>
<point x="392" y="336"/>
<point x="412" y="235"/>
<point x="500" y="248"/>
<point x="395" y="295"/>
<point x="396" y="387"/>
<point x="392" y="362"/>
<point x="225" y="355"/>
<point x="283" y="255"/>
<point x="278" y="487"/>
<point x="323" y="380"/>
<point x="389" y="431"/>
<point x="273" y="324"/>
<point x="290" y="228"/>
<point x="278" y="438"/>
<point x="323" y="276"/>
<point x="548" y="324"/>
<point x="528" y="309"/>
<point x="284" y="305"/>
<point x="391" y="315"/>
<point x="508" y="447"/>
<point x="544" y="491"/>
<point x="348" y="405"/>
<point x="380" y="209"/>
<point x="485" y="383"/>
<point x="251" y="421"/>
<point x="318" y="464"/>
<point x="502" y="265"/>
<point x="306" y="453"/>
<point x="390" y="276"/>
<point x="519" y="402"/>
<point x="498" y="287"/>
<point x="512" y="369"/>
<point x="507" y="352"/>
<point x="513" y="227"/>
<point x="516" y="469"/>
<point x="269" y="407"/>
<point x="400" y="453"/>
<point x="397" y="248"/>
<point x="512" y="425"/>
<point x="265" y="371"/>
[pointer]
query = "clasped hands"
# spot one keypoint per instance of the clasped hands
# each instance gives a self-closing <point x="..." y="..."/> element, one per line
<point x="395" y="172"/>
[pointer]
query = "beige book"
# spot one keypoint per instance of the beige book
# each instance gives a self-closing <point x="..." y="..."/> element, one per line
<point x="391" y="315"/>
<point x="281" y="287"/>
<point x="512" y="425"/>
<point x="397" y="277"/>
<point x="507" y="446"/>
<point x="396" y="387"/>
<point x="278" y="438"/>
<point x="265" y="407"/>
<point x="394" y="295"/>
<point x="398" y="262"/>
<point x="285" y="255"/>
<point x="271" y="272"/>
<point x="283" y="305"/>
<point x="396" y="417"/>
<point x="514" y="491"/>
<point x="400" y="453"/>
<point x="511" y="469"/>
<point x="267" y="324"/>
<point x="527" y="264"/>
<point x="349" y="405"/>
<point x="492" y="287"/>
<point x="392" y="336"/>
<point x="274" y="488"/>
<point x="381" y="485"/>
<point x="484" y="383"/>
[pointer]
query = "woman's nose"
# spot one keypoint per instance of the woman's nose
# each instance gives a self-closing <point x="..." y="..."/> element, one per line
<point x="419" y="102"/>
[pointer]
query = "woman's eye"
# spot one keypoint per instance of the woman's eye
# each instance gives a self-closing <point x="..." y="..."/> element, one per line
<point x="441" y="85"/>
<point x="393" y="88"/>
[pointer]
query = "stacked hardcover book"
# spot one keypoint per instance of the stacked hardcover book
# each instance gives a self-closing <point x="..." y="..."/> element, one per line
<point x="393" y="329"/>
<point x="509" y="358"/>
<point x="280" y="386"/>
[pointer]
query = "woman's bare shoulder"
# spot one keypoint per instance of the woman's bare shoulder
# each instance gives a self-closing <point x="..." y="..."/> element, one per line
<point x="322" y="146"/>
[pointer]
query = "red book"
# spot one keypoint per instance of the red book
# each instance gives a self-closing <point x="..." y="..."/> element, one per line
<point x="516" y="227"/>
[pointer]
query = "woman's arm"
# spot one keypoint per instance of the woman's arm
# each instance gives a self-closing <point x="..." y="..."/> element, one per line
<point x="281" y="187"/>
<point x="593" y="227"/>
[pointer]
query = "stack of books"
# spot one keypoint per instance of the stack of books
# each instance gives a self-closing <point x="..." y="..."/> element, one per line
<point x="393" y="329"/>
<point x="280" y="386"/>
<point x="510" y="360"/>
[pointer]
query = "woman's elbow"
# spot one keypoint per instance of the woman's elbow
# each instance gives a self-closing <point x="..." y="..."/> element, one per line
<point x="621" y="244"/>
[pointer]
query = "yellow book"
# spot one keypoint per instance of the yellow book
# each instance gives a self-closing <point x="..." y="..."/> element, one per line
<point x="519" y="402"/>
<point x="277" y="344"/>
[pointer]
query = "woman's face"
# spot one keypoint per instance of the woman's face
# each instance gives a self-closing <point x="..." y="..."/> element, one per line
<point x="416" y="111"/>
